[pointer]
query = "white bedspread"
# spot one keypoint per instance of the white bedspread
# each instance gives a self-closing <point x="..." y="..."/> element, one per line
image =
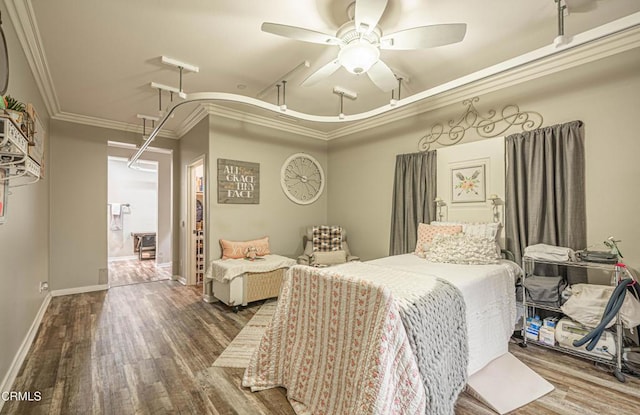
<point x="489" y="294"/>
<point x="337" y="344"/>
<point x="225" y="270"/>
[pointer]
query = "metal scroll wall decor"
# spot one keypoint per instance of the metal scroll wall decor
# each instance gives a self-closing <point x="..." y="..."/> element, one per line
<point x="491" y="125"/>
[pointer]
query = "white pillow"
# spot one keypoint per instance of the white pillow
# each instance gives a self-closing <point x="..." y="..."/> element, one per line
<point x="329" y="257"/>
<point x="462" y="249"/>
<point x="489" y="230"/>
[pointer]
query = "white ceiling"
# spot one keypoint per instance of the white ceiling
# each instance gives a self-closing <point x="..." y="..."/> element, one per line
<point x="103" y="54"/>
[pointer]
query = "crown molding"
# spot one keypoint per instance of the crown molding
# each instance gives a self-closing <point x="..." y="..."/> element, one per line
<point x="24" y="21"/>
<point x="536" y="64"/>
<point x="198" y="114"/>
<point x="114" y="125"/>
<point x="476" y="84"/>
<point x="23" y="18"/>
<point x="234" y="114"/>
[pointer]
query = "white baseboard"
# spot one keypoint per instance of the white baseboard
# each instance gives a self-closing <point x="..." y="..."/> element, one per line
<point x="10" y="377"/>
<point x="79" y="290"/>
<point x="165" y="265"/>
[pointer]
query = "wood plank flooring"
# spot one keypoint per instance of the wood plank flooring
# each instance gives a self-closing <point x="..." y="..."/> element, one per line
<point x="134" y="271"/>
<point x="148" y="349"/>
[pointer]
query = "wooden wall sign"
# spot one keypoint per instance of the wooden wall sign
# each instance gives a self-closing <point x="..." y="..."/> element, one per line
<point x="238" y="182"/>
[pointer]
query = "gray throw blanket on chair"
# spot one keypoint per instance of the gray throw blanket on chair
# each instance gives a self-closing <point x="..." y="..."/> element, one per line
<point x="437" y="331"/>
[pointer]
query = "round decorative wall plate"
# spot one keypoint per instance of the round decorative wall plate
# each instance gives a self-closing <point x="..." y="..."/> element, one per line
<point x="302" y="178"/>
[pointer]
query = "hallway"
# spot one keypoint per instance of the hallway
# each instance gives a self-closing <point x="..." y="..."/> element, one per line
<point x="134" y="271"/>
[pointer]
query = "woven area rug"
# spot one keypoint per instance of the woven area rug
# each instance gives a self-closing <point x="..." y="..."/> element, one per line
<point x="239" y="351"/>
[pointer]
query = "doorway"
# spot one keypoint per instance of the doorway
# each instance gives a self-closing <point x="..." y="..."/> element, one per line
<point x="139" y="237"/>
<point x="196" y="218"/>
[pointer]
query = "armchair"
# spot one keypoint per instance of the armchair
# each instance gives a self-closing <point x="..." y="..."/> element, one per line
<point x="308" y="257"/>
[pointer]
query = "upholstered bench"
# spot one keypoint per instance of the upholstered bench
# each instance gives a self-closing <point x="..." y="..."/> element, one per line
<point x="238" y="282"/>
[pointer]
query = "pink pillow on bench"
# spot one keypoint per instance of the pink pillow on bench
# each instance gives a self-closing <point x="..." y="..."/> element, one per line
<point x="233" y="249"/>
<point x="427" y="232"/>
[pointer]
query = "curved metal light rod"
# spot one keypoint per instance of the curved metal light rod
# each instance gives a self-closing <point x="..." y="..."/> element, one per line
<point x="599" y="32"/>
<point x="242" y="99"/>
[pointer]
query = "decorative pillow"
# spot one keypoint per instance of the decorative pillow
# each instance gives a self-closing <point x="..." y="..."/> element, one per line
<point x="489" y="230"/>
<point x="462" y="249"/>
<point x="427" y="232"/>
<point x="328" y="258"/>
<point x="231" y="249"/>
<point x="327" y="238"/>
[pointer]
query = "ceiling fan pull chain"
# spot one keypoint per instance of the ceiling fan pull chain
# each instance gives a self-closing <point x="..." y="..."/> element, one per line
<point x="278" y="88"/>
<point x="181" y="68"/>
<point x="159" y="100"/>
<point x="341" y="115"/>
<point x="144" y="128"/>
<point x="399" y="87"/>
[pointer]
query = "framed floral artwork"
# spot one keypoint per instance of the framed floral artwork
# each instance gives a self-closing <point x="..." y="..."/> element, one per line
<point x="468" y="184"/>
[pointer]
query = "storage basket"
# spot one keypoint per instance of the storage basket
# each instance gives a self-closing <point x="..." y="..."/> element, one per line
<point x="262" y="285"/>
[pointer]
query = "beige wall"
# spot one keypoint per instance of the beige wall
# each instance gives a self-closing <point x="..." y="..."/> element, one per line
<point x="489" y="153"/>
<point x="24" y="238"/>
<point x="79" y="201"/>
<point x="276" y="216"/>
<point x="603" y="94"/>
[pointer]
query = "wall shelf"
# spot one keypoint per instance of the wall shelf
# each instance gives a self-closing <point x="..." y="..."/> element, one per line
<point x="199" y="256"/>
<point x="14" y="154"/>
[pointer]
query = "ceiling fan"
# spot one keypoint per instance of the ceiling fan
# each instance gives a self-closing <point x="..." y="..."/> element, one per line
<point x="361" y="39"/>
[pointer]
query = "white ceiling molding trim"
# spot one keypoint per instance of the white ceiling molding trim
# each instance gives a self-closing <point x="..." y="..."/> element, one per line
<point x="113" y="125"/>
<point x="205" y="109"/>
<point x="24" y="21"/>
<point x="262" y="121"/>
<point x="611" y="38"/>
<point x="197" y="115"/>
<point x="479" y="83"/>
<point x="626" y="28"/>
<point x="129" y="146"/>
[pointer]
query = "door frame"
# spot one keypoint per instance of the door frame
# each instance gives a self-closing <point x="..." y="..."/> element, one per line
<point x="189" y="277"/>
<point x="124" y="151"/>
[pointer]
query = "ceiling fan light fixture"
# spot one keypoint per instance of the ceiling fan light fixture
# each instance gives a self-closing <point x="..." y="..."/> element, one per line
<point x="358" y="57"/>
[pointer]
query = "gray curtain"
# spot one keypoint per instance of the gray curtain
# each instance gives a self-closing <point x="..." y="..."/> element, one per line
<point x="545" y="188"/>
<point x="414" y="190"/>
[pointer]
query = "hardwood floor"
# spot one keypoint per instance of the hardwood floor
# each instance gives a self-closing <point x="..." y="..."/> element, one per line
<point x="148" y="349"/>
<point x="134" y="271"/>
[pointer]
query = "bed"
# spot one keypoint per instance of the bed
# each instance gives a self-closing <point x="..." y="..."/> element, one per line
<point x="394" y="335"/>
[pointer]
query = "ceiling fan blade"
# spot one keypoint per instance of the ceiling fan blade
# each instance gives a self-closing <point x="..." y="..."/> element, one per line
<point x="322" y="73"/>
<point x="300" y="33"/>
<point x="382" y="76"/>
<point x="424" y="37"/>
<point x="368" y="13"/>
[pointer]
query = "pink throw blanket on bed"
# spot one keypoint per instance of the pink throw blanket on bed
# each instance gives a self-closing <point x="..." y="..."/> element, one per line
<point x="343" y="349"/>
